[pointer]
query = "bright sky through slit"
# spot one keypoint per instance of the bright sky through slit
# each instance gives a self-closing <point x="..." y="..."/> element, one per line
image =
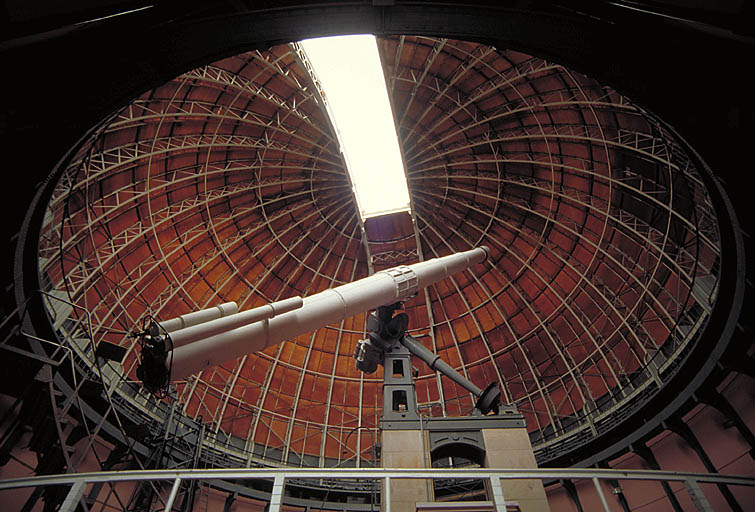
<point x="350" y="73"/>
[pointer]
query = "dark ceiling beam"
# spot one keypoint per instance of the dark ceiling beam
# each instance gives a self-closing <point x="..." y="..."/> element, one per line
<point x="643" y="450"/>
<point x="680" y="428"/>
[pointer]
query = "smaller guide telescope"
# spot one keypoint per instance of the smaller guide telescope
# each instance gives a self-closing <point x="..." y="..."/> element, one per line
<point x="188" y="344"/>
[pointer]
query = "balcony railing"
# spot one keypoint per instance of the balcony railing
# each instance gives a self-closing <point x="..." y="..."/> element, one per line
<point x="499" y="502"/>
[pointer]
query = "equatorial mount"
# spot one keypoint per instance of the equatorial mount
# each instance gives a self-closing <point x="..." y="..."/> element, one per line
<point x="387" y="329"/>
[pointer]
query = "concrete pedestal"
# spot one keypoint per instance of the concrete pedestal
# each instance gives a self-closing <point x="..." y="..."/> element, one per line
<point x="408" y="441"/>
<point x="405" y="449"/>
<point x="510" y="448"/>
<point x="501" y="440"/>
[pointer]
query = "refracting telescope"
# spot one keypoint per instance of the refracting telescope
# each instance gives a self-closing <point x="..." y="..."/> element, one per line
<point x="185" y="345"/>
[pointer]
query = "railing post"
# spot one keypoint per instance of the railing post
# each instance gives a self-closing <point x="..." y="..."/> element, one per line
<point x="596" y="482"/>
<point x="386" y="498"/>
<point x="498" y="499"/>
<point x="698" y="498"/>
<point x="73" y="497"/>
<point x="276" y="497"/>
<point x="173" y="494"/>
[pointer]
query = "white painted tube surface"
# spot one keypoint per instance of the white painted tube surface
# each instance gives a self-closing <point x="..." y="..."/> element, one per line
<point x="227" y="323"/>
<point x="327" y="307"/>
<point x="199" y="317"/>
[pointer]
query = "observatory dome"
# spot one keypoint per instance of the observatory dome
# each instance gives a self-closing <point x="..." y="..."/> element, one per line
<point x="226" y="183"/>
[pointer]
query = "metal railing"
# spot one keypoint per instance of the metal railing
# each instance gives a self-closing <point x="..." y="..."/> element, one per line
<point x="79" y="481"/>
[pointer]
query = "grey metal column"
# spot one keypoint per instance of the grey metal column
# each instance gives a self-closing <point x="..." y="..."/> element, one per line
<point x="499" y="500"/>
<point x="602" y="495"/>
<point x="73" y="497"/>
<point x="616" y="486"/>
<point x="698" y="498"/>
<point x="385" y="499"/>
<point x="173" y="494"/>
<point x="399" y="393"/>
<point x="276" y="497"/>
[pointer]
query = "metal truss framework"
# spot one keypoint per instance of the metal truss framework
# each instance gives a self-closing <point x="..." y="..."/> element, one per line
<point x="227" y="184"/>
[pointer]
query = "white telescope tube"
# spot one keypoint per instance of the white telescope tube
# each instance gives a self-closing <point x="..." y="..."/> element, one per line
<point x="327" y="307"/>
<point x="435" y="270"/>
<point x="226" y="323"/>
<point x="199" y="317"/>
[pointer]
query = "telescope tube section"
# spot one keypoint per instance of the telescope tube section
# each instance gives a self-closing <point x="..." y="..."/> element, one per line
<point x="204" y="330"/>
<point x="327" y="307"/>
<point x="199" y="317"/>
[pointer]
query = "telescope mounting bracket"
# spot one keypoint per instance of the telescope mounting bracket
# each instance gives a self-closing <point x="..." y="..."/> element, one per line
<point x="387" y="331"/>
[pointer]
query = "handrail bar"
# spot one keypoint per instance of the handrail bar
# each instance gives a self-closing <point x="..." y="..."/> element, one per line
<point x="378" y="473"/>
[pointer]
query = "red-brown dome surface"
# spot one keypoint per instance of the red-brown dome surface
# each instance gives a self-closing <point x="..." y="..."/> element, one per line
<point x="226" y="184"/>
